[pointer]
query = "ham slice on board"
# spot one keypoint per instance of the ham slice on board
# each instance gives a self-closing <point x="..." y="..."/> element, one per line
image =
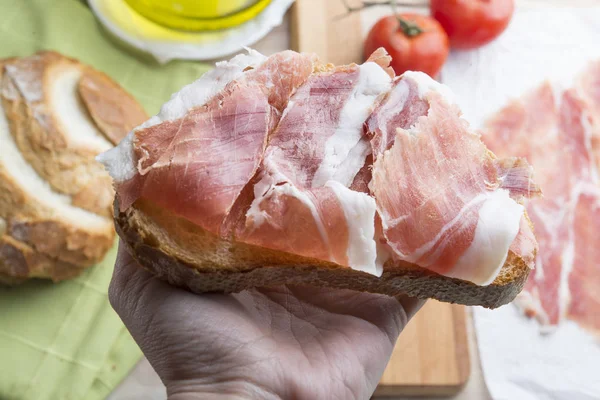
<point x="345" y="164"/>
<point x="557" y="131"/>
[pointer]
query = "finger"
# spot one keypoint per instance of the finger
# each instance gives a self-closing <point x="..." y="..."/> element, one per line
<point x="123" y="278"/>
<point x="377" y="308"/>
<point x="125" y="268"/>
<point x="410" y="304"/>
<point x="384" y="312"/>
<point x="135" y="293"/>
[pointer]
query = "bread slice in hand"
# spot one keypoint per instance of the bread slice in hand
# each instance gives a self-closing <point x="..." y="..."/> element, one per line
<point x="282" y="170"/>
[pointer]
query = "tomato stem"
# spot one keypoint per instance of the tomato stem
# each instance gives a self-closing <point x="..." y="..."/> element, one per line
<point x="367" y="4"/>
<point x="409" y="28"/>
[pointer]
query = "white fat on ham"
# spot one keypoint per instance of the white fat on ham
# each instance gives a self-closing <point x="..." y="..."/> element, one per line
<point x="497" y="228"/>
<point x="359" y="209"/>
<point x="209" y="84"/>
<point x="427" y="85"/>
<point x="346" y="149"/>
<point x="276" y="184"/>
<point x="119" y="161"/>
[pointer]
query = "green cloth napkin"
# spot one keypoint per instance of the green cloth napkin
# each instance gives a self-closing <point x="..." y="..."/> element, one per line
<point x="64" y="341"/>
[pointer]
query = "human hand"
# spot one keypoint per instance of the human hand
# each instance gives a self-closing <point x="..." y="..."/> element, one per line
<point x="270" y="343"/>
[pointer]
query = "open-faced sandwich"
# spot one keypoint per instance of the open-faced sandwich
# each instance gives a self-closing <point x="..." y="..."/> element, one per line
<point x="284" y="170"/>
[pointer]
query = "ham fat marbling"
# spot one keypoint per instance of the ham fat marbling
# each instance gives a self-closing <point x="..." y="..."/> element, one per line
<point x="346" y="164"/>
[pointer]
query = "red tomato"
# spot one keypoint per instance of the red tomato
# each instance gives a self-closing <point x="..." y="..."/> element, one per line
<point x="415" y="42"/>
<point x="472" y="23"/>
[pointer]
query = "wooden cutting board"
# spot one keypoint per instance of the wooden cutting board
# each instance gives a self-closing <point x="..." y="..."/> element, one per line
<point x="432" y="355"/>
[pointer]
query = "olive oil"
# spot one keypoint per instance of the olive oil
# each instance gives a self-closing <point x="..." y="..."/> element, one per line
<point x="198" y="15"/>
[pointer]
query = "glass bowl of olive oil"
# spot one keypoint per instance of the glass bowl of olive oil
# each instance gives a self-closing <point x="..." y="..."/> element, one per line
<point x="198" y="15"/>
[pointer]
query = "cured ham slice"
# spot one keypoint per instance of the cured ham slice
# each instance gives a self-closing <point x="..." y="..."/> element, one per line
<point x="541" y="295"/>
<point x="588" y="86"/>
<point x="556" y="133"/>
<point x="576" y="152"/>
<point x="518" y="129"/>
<point x="226" y="142"/>
<point x="584" y="276"/>
<point x="401" y="108"/>
<point x="439" y="176"/>
<point x="197" y="163"/>
<point x="302" y="202"/>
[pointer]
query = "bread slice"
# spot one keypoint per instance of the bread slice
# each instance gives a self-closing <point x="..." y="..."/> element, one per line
<point x="185" y="255"/>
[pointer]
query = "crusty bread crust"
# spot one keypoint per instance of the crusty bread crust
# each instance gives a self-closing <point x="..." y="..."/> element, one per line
<point x="36" y="241"/>
<point x="19" y="261"/>
<point x="115" y="111"/>
<point x="185" y="255"/>
<point x="44" y="143"/>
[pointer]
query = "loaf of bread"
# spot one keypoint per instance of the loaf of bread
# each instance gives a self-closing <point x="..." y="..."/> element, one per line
<point x="56" y="115"/>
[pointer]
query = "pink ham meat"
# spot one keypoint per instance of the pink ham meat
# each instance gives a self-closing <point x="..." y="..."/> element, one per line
<point x="518" y="129"/>
<point x="197" y="165"/>
<point x="303" y="204"/>
<point x="588" y="87"/>
<point x="289" y="217"/>
<point x="542" y="290"/>
<point x="557" y="135"/>
<point x="584" y="278"/>
<point x="439" y="176"/>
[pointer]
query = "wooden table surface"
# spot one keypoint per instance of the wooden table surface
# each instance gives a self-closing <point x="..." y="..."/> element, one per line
<point x="144" y="384"/>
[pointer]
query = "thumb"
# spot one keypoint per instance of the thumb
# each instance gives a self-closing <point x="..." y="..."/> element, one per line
<point x="135" y="294"/>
